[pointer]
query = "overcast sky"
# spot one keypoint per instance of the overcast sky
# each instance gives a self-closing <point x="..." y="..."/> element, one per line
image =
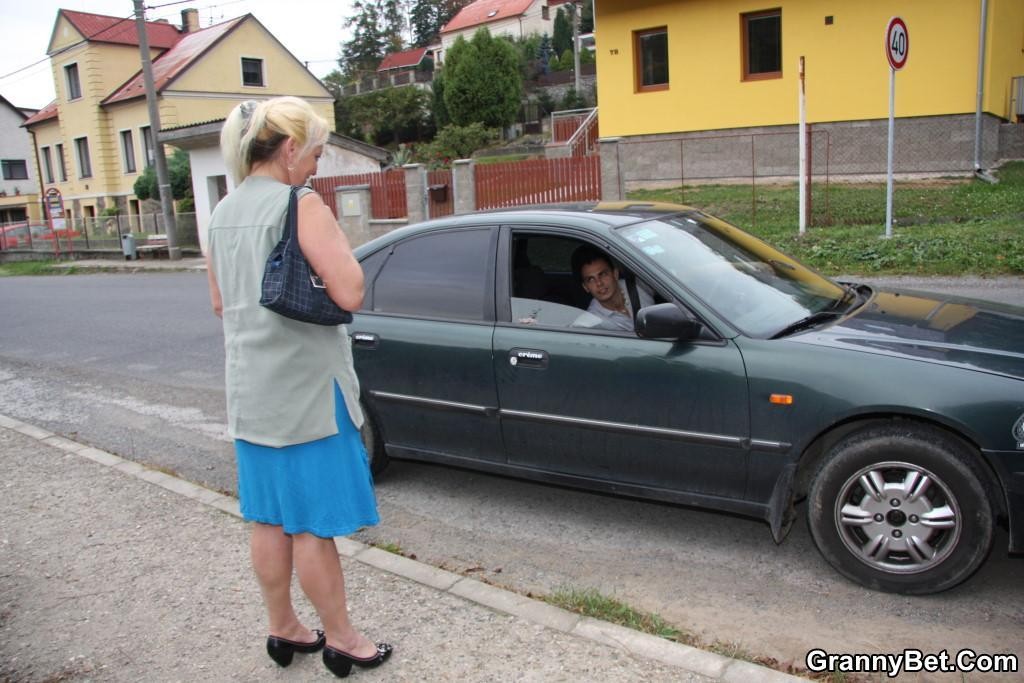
<point x="311" y="29"/>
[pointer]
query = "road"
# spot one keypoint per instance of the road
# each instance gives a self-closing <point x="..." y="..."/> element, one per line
<point x="133" y="365"/>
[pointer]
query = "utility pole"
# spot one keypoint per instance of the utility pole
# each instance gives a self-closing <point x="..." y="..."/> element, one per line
<point x="166" y="200"/>
<point x="576" y="47"/>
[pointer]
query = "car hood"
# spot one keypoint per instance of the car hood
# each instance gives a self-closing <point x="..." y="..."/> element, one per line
<point x="969" y="333"/>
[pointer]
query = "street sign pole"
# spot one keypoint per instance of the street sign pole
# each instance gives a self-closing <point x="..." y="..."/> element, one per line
<point x="889" y="150"/>
<point x="897" y="48"/>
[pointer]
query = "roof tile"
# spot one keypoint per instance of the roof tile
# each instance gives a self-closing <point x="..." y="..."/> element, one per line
<point x="485" y="12"/>
<point x="103" y="29"/>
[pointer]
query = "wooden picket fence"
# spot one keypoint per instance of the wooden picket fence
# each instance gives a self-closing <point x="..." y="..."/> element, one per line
<point x="538" y="181"/>
<point x="387" y="191"/>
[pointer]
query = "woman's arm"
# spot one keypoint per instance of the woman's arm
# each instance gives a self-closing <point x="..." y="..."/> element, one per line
<point x="329" y="253"/>
<point x="215" y="300"/>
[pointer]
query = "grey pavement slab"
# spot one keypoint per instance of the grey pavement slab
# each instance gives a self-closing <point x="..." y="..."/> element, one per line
<point x="108" y="577"/>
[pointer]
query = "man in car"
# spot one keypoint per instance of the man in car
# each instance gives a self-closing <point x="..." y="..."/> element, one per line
<point x="610" y="308"/>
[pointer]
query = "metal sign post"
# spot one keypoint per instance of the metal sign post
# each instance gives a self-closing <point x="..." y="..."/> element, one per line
<point x="897" y="47"/>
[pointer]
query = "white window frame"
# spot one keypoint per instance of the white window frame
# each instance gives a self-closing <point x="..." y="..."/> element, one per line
<point x="263" y="71"/>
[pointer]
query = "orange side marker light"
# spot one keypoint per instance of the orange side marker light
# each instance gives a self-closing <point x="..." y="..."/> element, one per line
<point x="781" y="399"/>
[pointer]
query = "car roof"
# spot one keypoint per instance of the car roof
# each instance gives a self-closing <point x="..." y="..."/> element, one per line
<point x="595" y="216"/>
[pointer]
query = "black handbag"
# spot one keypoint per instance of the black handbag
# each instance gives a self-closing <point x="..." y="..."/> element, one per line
<point x="290" y="287"/>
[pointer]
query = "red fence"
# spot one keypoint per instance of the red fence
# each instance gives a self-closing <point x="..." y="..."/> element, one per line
<point x="565" y="126"/>
<point x="387" y="191"/>
<point x="538" y="181"/>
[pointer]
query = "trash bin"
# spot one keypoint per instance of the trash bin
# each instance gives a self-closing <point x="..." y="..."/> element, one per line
<point x="439" y="193"/>
<point x="128" y="247"/>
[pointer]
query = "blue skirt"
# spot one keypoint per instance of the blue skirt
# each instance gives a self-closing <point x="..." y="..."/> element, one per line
<point x="321" y="487"/>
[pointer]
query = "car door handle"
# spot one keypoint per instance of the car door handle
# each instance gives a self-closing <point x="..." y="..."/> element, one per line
<point x="365" y="340"/>
<point x="528" y="358"/>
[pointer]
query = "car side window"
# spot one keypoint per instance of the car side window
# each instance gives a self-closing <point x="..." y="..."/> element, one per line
<point x="439" y="275"/>
<point x="545" y="292"/>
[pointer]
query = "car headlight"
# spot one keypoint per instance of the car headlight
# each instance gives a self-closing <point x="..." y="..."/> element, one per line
<point x="1018" y="432"/>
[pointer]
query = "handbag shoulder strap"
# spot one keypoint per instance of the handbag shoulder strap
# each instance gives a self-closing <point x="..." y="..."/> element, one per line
<point x="291" y="221"/>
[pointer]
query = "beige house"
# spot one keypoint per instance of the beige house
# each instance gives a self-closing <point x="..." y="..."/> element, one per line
<point x="95" y="140"/>
<point x="19" y="182"/>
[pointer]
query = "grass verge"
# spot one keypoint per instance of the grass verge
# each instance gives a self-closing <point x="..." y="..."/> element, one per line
<point x="591" y="603"/>
<point x="15" y="268"/>
<point x="942" y="227"/>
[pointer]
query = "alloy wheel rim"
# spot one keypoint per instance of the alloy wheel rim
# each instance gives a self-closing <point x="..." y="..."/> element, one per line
<point x="898" y="518"/>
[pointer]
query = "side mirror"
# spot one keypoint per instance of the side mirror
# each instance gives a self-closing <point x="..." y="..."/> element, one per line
<point x="666" y="321"/>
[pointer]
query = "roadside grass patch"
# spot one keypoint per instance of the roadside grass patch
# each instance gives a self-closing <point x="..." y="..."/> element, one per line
<point x="941" y="227"/>
<point x="16" y="268"/>
<point x="389" y="547"/>
<point x="591" y="603"/>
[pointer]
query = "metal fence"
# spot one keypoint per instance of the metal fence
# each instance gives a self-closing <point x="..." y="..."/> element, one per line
<point x="102" y="233"/>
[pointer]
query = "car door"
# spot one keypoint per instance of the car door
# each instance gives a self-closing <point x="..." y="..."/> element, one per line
<point x="422" y="345"/>
<point x="609" y="406"/>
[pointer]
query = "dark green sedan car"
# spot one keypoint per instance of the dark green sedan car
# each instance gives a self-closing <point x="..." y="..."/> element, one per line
<point x="690" y="362"/>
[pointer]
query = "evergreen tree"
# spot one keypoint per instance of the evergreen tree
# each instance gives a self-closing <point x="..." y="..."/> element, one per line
<point x="562" y="40"/>
<point x="482" y="81"/>
<point x="428" y="17"/>
<point x="393" y="25"/>
<point x="362" y="54"/>
<point x="587" y="17"/>
<point x="544" y="52"/>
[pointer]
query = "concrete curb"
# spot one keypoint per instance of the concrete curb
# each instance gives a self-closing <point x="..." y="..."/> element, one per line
<point x="492" y="597"/>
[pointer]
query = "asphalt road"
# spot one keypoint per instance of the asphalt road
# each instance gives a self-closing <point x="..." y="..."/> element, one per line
<point x="133" y="365"/>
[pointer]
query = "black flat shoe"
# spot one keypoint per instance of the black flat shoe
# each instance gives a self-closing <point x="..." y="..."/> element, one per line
<point x="340" y="663"/>
<point x="281" y="650"/>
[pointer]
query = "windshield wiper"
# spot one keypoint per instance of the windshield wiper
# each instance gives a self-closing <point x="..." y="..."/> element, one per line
<point x="810" y="321"/>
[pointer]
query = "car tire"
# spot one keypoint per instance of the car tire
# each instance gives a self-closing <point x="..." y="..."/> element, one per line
<point x="901" y="508"/>
<point x="373" y="444"/>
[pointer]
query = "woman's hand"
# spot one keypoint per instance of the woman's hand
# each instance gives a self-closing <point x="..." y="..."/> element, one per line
<point x="215" y="300"/>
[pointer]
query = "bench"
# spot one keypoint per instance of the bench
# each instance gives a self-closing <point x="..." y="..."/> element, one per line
<point x="155" y="246"/>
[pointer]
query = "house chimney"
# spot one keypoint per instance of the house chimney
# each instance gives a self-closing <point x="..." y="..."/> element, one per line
<point x="189" y="20"/>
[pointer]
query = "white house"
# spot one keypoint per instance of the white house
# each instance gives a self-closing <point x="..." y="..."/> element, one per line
<point x="512" y="18"/>
<point x="211" y="180"/>
<point x="19" y="182"/>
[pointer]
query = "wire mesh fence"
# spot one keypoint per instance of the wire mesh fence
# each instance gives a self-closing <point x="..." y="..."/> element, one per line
<point x="98" y="233"/>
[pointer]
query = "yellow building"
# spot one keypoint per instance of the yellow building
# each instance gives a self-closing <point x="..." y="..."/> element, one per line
<point x="94" y="140"/>
<point x="680" y="69"/>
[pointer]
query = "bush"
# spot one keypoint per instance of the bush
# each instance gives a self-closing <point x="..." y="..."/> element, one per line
<point x="455" y="142"/>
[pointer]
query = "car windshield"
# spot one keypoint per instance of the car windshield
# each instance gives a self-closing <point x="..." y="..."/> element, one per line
<point x="758" y="289"/>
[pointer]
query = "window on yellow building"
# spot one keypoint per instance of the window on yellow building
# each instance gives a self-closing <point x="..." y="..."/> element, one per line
<point x="84" y="163"/>
<point x="128" y="151"/>
<point x="146" y="133"/>
<point x="252" y="72"/>
<point x="47" y="164"/>
<point x="61" y="167"/>
<point x="762" y="44"/>
<point x="650" y="56"/>
<point x="71" y="77"/>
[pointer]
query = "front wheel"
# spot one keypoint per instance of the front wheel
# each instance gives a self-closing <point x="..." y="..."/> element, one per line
<point x="901" y="508"/>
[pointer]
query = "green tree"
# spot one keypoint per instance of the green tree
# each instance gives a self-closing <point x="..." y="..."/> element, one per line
<point x="438" y="108"/>
<point x="427" y="17"/>
<point x="391" y="115"/>
<point x="362" y="54"/>
<point x="393" y="25"/>
<point x="482" y="81"/>
<point x="562" y="38"/>
<point x="587" y="17"/>
<point x="179" y="170"/>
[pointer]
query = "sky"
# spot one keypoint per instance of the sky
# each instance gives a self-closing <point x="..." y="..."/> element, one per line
<point x="311" y="29"/>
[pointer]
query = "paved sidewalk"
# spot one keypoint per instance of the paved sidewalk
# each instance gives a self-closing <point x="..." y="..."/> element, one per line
<point x="115" y="572"/>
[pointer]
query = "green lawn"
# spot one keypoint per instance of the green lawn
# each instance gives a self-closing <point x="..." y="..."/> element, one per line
<point x="941" y="227"/>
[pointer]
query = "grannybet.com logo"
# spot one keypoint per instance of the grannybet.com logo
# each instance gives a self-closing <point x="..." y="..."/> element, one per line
<point x="911" y="661"/>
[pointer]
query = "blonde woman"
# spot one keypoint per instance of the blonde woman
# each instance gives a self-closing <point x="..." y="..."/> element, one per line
<point x="292" y="393"/>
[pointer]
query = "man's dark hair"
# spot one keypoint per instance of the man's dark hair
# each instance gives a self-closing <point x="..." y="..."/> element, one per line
<point x="585" y="255"/>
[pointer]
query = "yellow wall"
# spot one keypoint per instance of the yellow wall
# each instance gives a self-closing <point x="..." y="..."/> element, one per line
<point x="847" y="72"/>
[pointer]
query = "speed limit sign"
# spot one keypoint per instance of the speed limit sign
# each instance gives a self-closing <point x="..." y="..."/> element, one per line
<point x="897" y="43"/>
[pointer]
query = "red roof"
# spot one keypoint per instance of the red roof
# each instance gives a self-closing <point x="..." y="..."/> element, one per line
<point x="172" y="63"/>
<point x="400" y="60"/>
<point x="103" y="29"/>
<point x="485" y="12"/>
<point x="46" y="113"/>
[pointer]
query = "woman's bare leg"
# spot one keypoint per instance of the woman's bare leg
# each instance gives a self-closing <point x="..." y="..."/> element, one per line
<point x="271" y="551"/>
<point x="321" y="578"/>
